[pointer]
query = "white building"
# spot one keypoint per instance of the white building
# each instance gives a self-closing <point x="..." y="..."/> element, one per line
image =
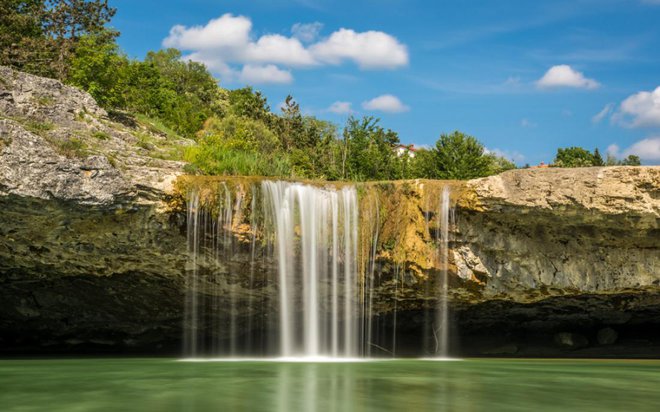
<point x="403" y="150"/>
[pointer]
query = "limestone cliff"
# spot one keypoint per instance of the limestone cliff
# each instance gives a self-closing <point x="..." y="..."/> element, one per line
<point x="57" y="143"/>
<point x="93" y="251"/>
<point x="588" y="230"/>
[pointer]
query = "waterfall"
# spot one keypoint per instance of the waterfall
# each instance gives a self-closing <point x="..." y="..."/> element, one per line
<point x="316" y="246"/>
<point x="289" y="278"/>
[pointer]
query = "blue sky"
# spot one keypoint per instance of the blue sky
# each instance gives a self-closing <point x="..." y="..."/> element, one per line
<point x="524" y="77"/>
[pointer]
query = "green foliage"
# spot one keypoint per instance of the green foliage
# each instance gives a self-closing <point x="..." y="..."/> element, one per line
<point x="42" y="36"/>
<point x="101" y="70"/>
<point x="156" y="126"/>
<point x="181" y="95"/>
<point x="211" y="157"/>
<point x="145" y="141"/>
<point x="67" y="21"/>
<point x="579" y="157"/>
<point x="597" y="158"/>
<point x="240" y="133"/>
<point x="459" y="156"/>
<point x="499" y="164"/>
<point x="369" y="151"/>
<point x="23" y="44"/>
<point x="423" y="164"/>
<point x="248" y="103"/>
<point x="574" y="157"/>
<point x="631" y="160"/>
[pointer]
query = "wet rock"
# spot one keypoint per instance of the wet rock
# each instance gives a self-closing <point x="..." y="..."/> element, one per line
<point x="568" y="340"/>
<point x="509" y="349"/>
<point x="607" y="336"/>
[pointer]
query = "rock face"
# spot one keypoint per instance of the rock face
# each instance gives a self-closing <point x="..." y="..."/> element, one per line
<point x="588" y="229"/>
<point x="93" y="249"/>
<point x="57" y="143"/>
<point x="87" y="258"/>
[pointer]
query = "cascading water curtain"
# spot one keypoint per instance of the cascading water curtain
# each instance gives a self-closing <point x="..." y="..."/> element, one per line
<point x="302" y="292"/>
<point x="315" y="231"/>
<point x="210" y="307"/>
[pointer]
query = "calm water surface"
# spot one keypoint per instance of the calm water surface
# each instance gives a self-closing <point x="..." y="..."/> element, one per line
<point x="398" y="385"/>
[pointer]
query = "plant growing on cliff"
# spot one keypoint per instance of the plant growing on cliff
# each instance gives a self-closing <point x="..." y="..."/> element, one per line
<point x="210" y="156"/>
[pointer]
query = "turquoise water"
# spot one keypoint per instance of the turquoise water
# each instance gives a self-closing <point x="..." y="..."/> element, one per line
<point x="400" y="385"/>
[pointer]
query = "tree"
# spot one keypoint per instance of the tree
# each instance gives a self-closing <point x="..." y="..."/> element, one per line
<point x="291" y="127"/>
<point x="574" y="157"/>
<point x="246" y="102"/>
<point x="459" y="156"/>
<point x="423" y="164"/>
<point x="66" y="21"/>
<point x="500" y="164"/>
<point x="41" y="36"/>
<point x="100" y="69"/>
<point x="368" y="151"/>
<point x="597" y="158"/>
<point x="240" y="133"/>
<point x="187" y="78"/>
<point x="23" y="43"/>
<point x="631" y="160"/>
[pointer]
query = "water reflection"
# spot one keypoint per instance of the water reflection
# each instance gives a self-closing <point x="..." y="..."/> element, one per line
<point x="166" y="385"/>
<point x="311" y="387"/>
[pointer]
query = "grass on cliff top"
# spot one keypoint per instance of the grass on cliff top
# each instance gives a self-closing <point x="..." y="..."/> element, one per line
<point x="157" y="127"/>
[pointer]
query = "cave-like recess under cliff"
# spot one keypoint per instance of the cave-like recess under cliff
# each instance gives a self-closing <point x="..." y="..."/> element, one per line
<point x="546" y="262"/>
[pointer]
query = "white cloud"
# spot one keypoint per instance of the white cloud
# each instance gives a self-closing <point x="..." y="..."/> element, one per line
<point x="565" y="76"/>
<point x="274" y="48"/>
<point x="370" y="50"/>
<point x="228" y="41"/>
<point x="385" y="103"/>
<point x="270" y="73"/>
<point x="514" y="156"/>
<point x="306" y="32"/>
<point x="340" y="108"/>
<point x="607" y="110"/>
<point x="642" y="109"/>
<point x="225" y="32"/>
<point x="646" y="149"/>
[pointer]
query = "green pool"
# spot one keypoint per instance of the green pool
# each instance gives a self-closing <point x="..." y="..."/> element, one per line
<point x="398" y="385"/>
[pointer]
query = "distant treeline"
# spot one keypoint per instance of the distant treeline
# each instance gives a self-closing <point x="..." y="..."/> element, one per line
<point x="235" y="130"/>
